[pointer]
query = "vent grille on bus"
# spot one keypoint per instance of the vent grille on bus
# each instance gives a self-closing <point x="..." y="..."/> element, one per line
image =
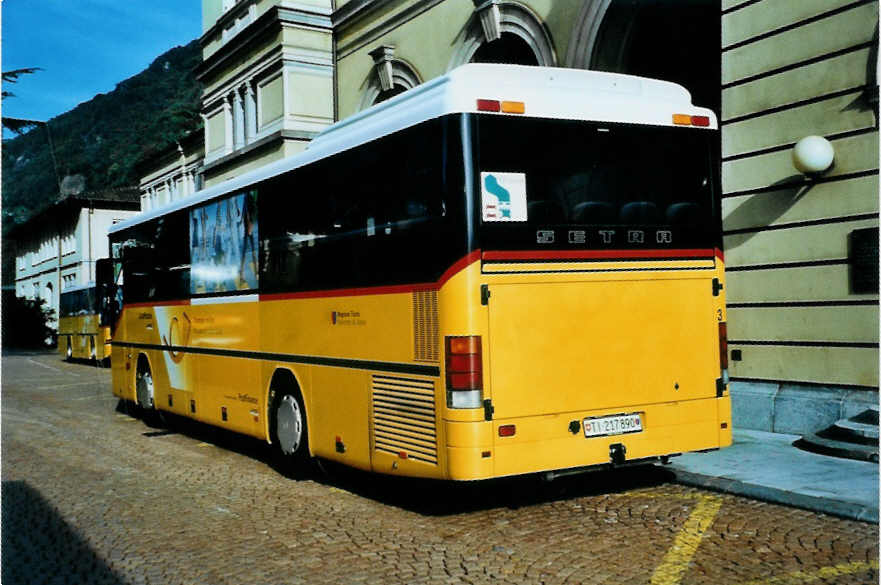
<point x="425" y="341"/>
<point x="403" y="417"/>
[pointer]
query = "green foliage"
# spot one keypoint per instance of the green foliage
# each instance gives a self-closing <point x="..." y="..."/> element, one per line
<point x="26" y="323"/>
<point x="103" y="139"/>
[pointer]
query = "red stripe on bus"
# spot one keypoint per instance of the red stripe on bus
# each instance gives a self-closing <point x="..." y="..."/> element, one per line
<point x="720" y="255"/>
<point x="379" y="290"/>
<point x="157" y="304"/>
<point x="597" y="254"/>
<point x="459" y="266"/>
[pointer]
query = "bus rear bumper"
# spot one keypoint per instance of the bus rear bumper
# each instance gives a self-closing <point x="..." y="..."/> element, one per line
<point x="548" y="443"/>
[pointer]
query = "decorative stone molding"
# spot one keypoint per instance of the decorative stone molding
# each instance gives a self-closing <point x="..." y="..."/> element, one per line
<point x="383" y="56"/>
<point x="514" y="18"/>
<point x="585" y="33"/>
<point x="490" y="18"/>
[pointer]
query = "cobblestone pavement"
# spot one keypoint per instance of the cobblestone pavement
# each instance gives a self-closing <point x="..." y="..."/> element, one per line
<point x="91" y="495"/>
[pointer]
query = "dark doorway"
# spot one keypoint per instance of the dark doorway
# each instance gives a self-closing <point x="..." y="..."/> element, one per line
<point x="674" y="40"/>
<point x="509" y="48"/>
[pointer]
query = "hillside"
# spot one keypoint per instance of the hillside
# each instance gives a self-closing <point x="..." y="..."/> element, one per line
<point x="103" y="139"/>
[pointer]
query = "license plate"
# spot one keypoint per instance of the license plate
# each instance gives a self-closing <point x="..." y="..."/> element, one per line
<point x="617" y="424"/>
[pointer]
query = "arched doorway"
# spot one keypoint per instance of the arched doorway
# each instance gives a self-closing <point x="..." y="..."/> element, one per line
<point x="674" y="40"/>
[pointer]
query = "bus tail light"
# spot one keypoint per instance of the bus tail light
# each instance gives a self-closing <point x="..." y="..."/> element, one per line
<point x="464" y="367"/>
<point x="489" y="106"/>
<point x="723" y="350"/>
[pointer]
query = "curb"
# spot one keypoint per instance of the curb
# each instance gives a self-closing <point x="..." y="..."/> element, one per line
<point x="848" y="510"/>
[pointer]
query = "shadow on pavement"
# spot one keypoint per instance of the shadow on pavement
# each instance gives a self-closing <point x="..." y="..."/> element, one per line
<point x="423" y="496"/>
<point x="38" y="546"/>
<point x="443" y="498"/>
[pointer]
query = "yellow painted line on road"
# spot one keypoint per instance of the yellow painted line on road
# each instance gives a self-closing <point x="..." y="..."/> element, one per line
<point x="672" y="569"/>
<point x="800" y="577"/>
<point x="204" y="445"/>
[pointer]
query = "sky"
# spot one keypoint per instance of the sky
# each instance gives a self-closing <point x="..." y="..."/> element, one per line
<point x="85" y="47"/>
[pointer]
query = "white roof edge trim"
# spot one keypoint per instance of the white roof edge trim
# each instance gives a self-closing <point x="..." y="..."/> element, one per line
<point x="547" y="91"/>
<point x="78" y="287"/>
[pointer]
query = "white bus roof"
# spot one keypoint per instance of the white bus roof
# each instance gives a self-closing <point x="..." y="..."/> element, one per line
<point x="574" y="94"/>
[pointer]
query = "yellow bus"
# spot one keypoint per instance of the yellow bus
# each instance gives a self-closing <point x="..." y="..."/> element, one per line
<point x="506" y="270"/>
<point x="81" y="334"/>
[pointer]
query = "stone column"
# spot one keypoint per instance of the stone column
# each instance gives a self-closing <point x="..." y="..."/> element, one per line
<point x="250" y="113"/>
<point x="238" y="119"/>
<point x="227" y="122"/>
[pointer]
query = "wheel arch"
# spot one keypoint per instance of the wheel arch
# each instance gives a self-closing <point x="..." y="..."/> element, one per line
<point x="143" y="361"/>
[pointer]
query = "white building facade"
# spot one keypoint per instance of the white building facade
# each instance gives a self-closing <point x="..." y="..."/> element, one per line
<point x="57" y="249"/>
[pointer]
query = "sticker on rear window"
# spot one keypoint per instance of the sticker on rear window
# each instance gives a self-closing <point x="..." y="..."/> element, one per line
<point x="503" y="196"/>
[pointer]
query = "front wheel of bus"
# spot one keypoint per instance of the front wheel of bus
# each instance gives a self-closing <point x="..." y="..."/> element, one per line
<point x="290" y="432"/>
<point x="69" y="350"/>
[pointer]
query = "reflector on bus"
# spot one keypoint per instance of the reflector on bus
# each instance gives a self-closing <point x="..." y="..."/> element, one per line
<point x="508" y="107"/>
<point x="687" y="120"/>
<point x="514" y="107"/>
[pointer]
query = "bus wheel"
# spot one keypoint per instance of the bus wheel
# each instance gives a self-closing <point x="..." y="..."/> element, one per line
<point x="289" y="431"/>
<point x="69" y="350"/>
<point x="93" y="353"/>
<point x="144" y="394"/>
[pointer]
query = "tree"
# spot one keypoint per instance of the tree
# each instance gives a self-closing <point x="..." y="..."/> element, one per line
<point x="26" y="322"/>
<point x="17" y="125"/>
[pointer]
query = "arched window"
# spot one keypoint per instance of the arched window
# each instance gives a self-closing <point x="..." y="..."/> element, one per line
<point x="508" y="48"/>
<point x="389" y="77"/>
<point x="504" y="32"/>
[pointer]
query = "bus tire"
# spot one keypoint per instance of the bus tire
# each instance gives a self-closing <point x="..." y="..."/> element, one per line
<point x="93" y="351"/>
<point x="69" y="355"/>
<point x="144" y="393"/>
<point x="289" y="430"/>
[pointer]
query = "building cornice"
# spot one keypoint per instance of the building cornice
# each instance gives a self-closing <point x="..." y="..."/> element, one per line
<point x="277" y="137"/>
<point x="272" y="21"/>
<point x="354" y="10"/>
<point x="74" y="203"/>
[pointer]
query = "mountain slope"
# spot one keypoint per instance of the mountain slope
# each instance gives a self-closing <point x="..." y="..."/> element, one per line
<point x="104" y="138"/>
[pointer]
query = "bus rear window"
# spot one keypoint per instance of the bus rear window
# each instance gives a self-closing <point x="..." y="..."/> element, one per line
<point x="608" y="184"/>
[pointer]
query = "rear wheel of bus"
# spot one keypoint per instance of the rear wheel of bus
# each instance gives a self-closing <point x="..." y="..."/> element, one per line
<point x="288" y="426"/>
